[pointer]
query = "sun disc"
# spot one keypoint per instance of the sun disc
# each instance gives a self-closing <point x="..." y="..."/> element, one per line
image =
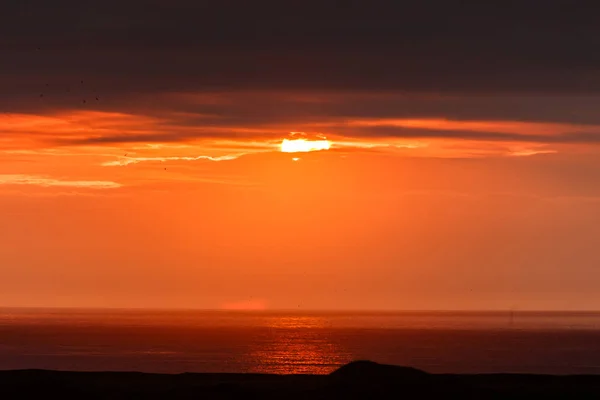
<point x="304" y="145"/>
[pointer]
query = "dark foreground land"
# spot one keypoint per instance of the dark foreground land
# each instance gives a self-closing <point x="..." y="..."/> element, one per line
<point x="358" y="380"/>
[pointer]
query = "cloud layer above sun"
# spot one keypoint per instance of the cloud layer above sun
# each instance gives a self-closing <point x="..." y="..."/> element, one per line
<point x="251" y="120"/>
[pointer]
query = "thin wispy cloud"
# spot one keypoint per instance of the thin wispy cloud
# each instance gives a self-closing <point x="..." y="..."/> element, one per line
<point x="35" y="180"/>
<point x="524" y="152"/>
<point x="124" y="161"/>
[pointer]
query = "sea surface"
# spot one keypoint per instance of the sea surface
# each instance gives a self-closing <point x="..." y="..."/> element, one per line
<point x="296" y="342"/>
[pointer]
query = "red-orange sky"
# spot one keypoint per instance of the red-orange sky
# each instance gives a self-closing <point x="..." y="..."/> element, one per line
<point x="150" y="175"/>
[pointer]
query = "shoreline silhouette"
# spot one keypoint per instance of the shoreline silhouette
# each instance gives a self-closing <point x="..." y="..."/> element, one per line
<point x="358" y="379"/>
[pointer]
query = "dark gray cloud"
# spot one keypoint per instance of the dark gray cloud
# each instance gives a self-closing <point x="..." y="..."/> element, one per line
<point x="439" y="46"/>
<point x="406" y="133"/>
<point x="280" y="108"/>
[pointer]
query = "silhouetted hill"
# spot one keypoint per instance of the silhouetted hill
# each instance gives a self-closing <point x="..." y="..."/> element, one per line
<point x="367" y="370"/>
<point x="357" y="380"/>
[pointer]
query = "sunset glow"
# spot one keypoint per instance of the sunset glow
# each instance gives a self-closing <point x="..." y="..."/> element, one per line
<point x="203" y="159"/>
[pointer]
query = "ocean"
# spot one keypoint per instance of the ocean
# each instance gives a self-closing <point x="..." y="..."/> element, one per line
<point x="298" y="342"/>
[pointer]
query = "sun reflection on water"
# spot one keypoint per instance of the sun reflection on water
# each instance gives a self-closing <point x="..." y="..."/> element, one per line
<point x="297" y="345"/>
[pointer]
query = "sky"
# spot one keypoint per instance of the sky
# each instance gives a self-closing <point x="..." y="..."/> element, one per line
<point x="453" y="155"/>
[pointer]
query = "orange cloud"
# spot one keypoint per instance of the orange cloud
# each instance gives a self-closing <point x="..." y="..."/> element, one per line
<point x="123" y="138"/>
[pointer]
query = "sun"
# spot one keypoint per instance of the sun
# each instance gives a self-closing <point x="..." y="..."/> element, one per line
<point x="304" y="145"/>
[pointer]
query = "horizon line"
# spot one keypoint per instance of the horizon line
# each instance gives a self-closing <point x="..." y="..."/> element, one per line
<point x="288" y="310"/>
